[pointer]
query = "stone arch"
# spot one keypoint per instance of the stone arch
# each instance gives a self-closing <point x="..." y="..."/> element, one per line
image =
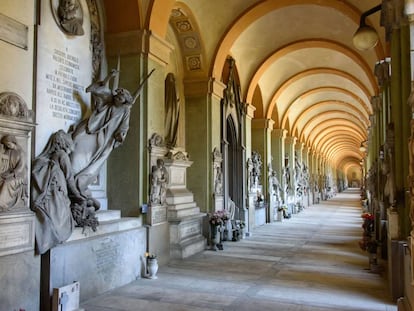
<point x="263" y="7"/>
<point x="232" y="138"/>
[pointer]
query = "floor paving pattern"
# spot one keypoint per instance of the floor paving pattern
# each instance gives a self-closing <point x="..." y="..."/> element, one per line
<point x="310" y="262"/>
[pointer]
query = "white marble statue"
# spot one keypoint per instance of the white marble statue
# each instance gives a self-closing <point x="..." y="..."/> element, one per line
<point x="104" y="130"/>
<point x="159" y="180"/>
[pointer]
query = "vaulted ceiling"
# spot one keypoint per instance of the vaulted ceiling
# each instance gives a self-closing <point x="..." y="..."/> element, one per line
<point x="295" y="60"/>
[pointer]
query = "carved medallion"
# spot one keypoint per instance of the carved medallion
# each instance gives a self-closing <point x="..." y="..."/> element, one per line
<point x="68" y="15"/>
<point x="13" y="106"/>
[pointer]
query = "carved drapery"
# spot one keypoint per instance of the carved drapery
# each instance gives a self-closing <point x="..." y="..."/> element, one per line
<point x="257" y="168"/>
<point x="16" y="123"/>
<point x="217" y="172"/>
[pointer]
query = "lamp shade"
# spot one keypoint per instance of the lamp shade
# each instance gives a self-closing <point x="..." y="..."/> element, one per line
<point x="365" y="38"/>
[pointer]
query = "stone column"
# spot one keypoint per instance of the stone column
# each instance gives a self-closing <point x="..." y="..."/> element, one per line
<point x="297" y="175"/>
<point x="313" y="171"/>
<point x="249" y="214"/>
<point x="290" y="164"/>
<point x="278" y="151"/>
<point x="203" y="109"/>
<point x="261" y="129"/>
<point x="148" y="52"/>
<point x="268" y="164"/>
<point x="184" y="217"/>
<point x="409" y="9"/>
<point x="305" y="160"/>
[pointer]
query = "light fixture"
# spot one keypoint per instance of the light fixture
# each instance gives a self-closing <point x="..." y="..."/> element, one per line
<point x="363" y="146"/>
<point x="366" y="37"/>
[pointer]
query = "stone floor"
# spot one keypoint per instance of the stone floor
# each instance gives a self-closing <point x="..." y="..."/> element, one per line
<point x="311" y="262"/>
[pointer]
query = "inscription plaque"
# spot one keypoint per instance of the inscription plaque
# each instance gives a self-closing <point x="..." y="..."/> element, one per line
<point x="178" y="176"/>
<point x="107" y="253"/>
<point x="191" y="229"/>
<point x="16" y="234"/>
<point x="13" y="32"/>
<point x="158" y="214"/>
<point x="64" y="86"/>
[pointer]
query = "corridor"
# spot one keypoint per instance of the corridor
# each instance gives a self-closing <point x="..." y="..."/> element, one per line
<point x="311" y="262"/>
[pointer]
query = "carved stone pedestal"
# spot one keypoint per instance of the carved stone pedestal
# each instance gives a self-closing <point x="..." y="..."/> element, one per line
<point x="19" y="265"/>
<point x="18" y="261"/>
<point x="111" y="257"/>
<point x="183" y="213"/>
<point x="251" y="218"/>
<point x="394" y="262"/>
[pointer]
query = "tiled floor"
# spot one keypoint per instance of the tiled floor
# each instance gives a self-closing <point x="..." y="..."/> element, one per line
<point x="311" y="262"/>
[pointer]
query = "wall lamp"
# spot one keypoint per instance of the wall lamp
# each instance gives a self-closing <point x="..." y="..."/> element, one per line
<point x="363" y="146"/>
<point x="366" y="37"/>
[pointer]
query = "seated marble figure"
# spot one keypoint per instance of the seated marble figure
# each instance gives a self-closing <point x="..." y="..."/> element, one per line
<point x="13" y="175"/>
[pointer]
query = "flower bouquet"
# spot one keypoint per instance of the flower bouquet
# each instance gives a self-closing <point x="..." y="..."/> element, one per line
<point x="218" y="218"/>
<point x="217" y="221"/>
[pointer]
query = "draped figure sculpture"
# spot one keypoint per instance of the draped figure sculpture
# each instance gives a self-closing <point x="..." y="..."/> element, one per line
<point x="52" y="185"/>
<point x="172" y="111"/>
<point x="71" y="162"/>
<point x="104" y="130"/>
<point x="13" y="175"/>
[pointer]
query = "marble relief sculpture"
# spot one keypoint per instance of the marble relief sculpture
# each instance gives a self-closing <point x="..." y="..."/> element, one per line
<point x="13" y="175"/>
<point x="14" y="161"/>
<point x="70" y="17"/>
<point x="13" y="106"/>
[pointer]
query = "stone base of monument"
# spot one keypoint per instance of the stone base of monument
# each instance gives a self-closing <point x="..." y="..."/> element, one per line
<point x="260" y="214"/>
<point x="186" y="223"/>
<point x="184" y="217"/>
<point x="20" y="267"/>
<point x="186" y="238"/>
<point x="110" y="257"/>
